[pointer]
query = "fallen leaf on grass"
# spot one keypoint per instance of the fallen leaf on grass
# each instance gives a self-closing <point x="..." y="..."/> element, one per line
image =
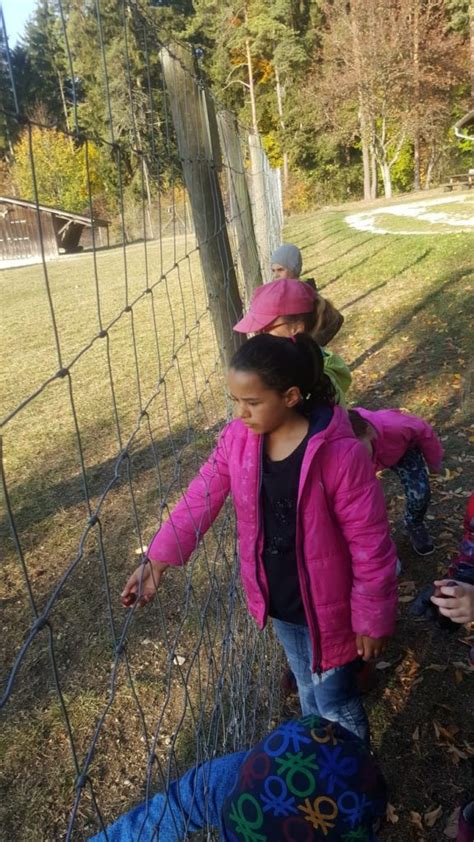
<point x="437" y="667"/>
<point x="451" y="829"/>
<point x="456" y="754"/>
<point x="391" y="814"/>
<point x="407" y="585"/>
<point x="383" y="665"/>
<point x="446" y="733"/>
<point x="431" y="817"/>
<point x="416" y="733"/>
<point x="458" y="676"/>
<point x="446" y="477"/>
<point x="406" y="598"/>
<point x="179" y="660"/>
<point x="468" y="641"/>
<point x="415" y="819"/>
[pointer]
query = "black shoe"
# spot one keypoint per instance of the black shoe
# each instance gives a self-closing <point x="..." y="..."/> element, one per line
<point x="420" y="539"/>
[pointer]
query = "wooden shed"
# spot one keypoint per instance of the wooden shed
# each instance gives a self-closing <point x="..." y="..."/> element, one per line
<point x="24" y="225"/>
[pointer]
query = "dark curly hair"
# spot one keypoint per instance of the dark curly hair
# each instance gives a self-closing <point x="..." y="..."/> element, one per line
<point x="283" y="362"/>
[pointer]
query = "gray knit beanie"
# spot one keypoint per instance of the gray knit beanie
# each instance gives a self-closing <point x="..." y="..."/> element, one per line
<point x="289" y="256"/>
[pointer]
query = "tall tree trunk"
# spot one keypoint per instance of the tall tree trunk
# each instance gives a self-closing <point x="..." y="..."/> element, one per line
<point x="416" y="82"/>
<point x="279" y="98"/>
<point x="373" y="173"/>
<point x="430" y="167"/>
<point x="250" y="75"/>
<point x="471" y="32"/>
<point x="363" y="121"/>
<point x="63" y="99"/>
<point x="146" y="177"/>
<point x="365" y="144"/>
<point x="416" y="161"/>
<point x="64" y="104"/>
<point x="387" y="178"/>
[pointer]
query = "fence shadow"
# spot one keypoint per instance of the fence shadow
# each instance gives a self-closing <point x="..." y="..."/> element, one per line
<point x="410" y="314"/>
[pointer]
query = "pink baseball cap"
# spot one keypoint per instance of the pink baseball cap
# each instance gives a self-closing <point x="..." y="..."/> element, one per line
<point x="285" y="297"/>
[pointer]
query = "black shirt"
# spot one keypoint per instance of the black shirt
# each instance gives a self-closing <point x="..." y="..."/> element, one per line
<point x="280" y="482"/>
<point x="279" y="497"/>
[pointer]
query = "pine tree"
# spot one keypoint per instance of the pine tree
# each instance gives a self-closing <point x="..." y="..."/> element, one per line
<point x="43" y="64"/>
<point x="8" y="101"/>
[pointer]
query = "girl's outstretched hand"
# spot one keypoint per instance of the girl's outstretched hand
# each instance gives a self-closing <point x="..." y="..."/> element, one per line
<point x="144" y="581"/>
<point x="370" y="647"/>
<point x="454" y="600"/>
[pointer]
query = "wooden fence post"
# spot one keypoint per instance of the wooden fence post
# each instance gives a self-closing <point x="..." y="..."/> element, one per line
<point x="197" y="152"/>
<point x="240" y="206"/>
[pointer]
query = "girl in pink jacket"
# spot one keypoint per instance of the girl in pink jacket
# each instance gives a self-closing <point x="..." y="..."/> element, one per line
<point x="407" y="445"/>
<point x="315" y="549"/>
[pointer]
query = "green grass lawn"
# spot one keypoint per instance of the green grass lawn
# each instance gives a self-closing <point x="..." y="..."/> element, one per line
<point x="405" y="338"/>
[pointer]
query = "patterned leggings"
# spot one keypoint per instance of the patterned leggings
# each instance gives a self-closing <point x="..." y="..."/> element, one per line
<point x="413" y="474"/>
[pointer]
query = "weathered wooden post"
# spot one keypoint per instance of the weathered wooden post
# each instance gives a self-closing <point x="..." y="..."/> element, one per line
<point x="198" y="158"/>
<point x="240" y="206"/>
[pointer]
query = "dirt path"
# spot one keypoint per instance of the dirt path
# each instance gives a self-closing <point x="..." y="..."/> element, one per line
<point x="450" y="214"/>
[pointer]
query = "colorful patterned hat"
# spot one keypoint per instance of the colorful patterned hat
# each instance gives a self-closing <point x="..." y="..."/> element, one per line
<point x="308" y="780"/>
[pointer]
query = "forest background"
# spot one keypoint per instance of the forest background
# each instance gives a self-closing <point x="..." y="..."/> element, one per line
<point x="352" y="99"/>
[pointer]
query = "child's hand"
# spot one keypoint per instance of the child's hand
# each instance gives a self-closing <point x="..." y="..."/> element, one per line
<point x="370" y="647"/>
<point x="144" y="581"/>
<point x="455" y="600"/>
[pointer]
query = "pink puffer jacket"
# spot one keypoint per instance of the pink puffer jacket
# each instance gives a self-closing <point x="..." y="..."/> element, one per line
<point x="397" y="432"/>
<point x="346" y="559"/>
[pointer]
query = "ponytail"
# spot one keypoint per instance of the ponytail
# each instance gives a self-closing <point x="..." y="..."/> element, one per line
<point x="282" y="362"/>
<point x="322" y="322"/>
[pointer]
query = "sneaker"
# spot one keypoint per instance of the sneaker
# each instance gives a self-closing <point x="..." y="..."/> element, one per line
<point x="466" y="823"/>
<point x="420" y="539"/>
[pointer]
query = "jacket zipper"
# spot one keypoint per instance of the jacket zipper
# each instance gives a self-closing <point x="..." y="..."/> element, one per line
<point x="312" y="617"/>
<point x="258" y="565"/>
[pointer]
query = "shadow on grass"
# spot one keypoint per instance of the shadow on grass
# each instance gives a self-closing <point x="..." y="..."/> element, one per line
<point x="69" y="492"/>
<point x="384" y="283"/>
<point x="409" y="314"/>
<point x="343" y="254"/>
<point x="86" y="621"/>
<point x="308" y="242"/>
<point x="361" y="262"/>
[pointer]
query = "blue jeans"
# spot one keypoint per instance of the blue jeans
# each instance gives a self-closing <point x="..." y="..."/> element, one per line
<point x="191" y="803"/>
<point x="413" y="474"/>
<point x="333" y="694"/>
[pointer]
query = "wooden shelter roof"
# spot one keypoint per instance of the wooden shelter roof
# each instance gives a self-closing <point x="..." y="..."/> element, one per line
<point x="76" y="217"/>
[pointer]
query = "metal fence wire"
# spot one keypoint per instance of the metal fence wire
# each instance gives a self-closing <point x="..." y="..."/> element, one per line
<point x="113" y="394"/>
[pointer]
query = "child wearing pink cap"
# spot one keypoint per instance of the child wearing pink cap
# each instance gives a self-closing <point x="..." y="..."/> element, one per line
<point x="285" y="307"/>
<point x="287" y="263"/>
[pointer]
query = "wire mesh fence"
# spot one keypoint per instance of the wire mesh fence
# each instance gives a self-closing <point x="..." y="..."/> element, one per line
<point x="113" y="394"/>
